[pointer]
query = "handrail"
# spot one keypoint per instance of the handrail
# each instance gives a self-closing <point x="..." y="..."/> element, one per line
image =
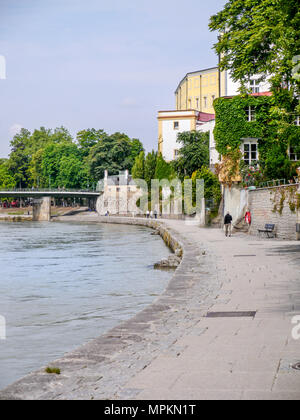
<point x="31" y="190"/>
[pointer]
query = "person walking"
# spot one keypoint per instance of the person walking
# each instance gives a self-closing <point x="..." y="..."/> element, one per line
<point x="228" y="224"/>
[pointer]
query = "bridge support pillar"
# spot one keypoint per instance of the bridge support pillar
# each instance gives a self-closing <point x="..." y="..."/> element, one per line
<point x="42" y="209"/>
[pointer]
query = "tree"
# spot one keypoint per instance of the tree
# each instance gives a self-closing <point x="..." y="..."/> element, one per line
<point x="61" y="166"/>
<point x="88" y="138"/>
<point x="19" y="158"/>
<point x="193" y="154"/>
<point x="113" y="153"/>
<point x="163" y="170"/>
<point x="259" y="37"/>
<point x="138" y="170"/>
<point x="7" y="181"/>
<point x="136" y="149"/>
<point x="150" y="167"/>
<point x="212" y="186"/>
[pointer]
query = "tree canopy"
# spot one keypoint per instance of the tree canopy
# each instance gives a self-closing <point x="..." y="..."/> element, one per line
<point x="52" y="158"/>
<point x="259" y="37"/>
<point x="193" y="154"/>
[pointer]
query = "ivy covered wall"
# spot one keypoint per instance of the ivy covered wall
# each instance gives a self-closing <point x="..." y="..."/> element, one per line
<point x="273" y="127"/>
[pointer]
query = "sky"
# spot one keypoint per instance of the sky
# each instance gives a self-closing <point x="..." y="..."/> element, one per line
<point x="108" y="65"/>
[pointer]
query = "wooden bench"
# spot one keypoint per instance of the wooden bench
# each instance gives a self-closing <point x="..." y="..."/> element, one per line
<point x="269" y="230"/>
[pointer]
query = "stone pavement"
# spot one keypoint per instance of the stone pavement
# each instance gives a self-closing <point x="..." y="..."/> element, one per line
<point x="171" y="350"/>
<point x="236" y="358"/>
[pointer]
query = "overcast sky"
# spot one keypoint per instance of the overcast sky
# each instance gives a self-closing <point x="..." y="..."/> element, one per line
<point x="93" y="63"/>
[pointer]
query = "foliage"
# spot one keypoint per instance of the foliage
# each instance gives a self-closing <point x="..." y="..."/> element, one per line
<point x="7" y="181"/>
<point x="193" y="154"/>
<point x="150" y="167"/>
<point x="212" y="186"/>
<point x="274" y="130"/>
<point x="163" y="170"/>
<point x="138" y="170"/>
<point x="88" y="138"/>
<point x="259" y="37"/>
<point x="51" y="158"/>
<point x="113" y="153"/>
<point x="251" y="175"/>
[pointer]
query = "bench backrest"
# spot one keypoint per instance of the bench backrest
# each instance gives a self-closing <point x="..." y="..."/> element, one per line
<point x="269" y="227"/>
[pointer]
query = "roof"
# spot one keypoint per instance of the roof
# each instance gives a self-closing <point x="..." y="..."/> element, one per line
<point x="195" y="72"/>
<point x="251" y="94"/>
<point x="205" y="117"/>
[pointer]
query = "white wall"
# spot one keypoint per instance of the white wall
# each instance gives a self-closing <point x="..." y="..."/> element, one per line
<point x="232" y="88"/>
<point x="170" y="136"/>
<point x="213" y="153"/>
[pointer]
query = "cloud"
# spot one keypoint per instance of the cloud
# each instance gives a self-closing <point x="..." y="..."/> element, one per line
<point x="129" y="103"/>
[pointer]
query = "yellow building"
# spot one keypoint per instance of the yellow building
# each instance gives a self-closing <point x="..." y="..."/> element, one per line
<point x="198" y="90"/>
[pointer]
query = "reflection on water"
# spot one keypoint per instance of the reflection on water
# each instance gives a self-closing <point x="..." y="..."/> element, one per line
<point x="64" y="284"/>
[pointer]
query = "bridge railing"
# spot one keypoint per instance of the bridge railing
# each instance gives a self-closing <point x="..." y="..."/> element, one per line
<point x="47" y="190"/>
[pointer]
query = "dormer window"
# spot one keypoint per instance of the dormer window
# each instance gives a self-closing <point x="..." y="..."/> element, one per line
<point x="251" y="113"/>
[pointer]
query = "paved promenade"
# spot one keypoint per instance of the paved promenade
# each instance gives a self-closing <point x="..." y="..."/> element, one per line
<point x="172" y="350"/>
<point x="236" y="358"/>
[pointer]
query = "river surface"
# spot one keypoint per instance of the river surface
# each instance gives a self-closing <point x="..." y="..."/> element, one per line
<point x="63" y="284"/>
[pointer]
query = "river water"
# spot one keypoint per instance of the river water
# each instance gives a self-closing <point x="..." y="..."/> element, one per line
<point x="63" y="284"/>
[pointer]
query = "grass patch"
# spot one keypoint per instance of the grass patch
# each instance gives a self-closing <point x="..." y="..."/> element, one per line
<point x="52" y="371"/>
<point x="16" y="213"/>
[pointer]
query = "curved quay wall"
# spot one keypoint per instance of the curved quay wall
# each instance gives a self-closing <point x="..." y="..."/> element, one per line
<point x="101" y="368"/>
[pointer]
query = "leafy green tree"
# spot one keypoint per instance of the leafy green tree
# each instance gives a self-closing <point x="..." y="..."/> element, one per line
<point x="61" y="165"/>
<point x="7" y="181"/>
<point x="136" y="149"/>
<point x="88" y="138"/>
<point x="113" y="153"/>
<point x="138" y="169"/>
<point x="259" y="37"/>
<point x="19" y="159"/>
<point x="193" y="154"/>
<point x="150" y="167"/>
<point x="164" y="170"/>
<point x="212" y="187"/>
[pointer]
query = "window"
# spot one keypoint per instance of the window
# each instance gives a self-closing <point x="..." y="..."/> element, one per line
<point x="293" y="155"/>
<point x="190" y="104"/>
<point x="197" y="103"/>
<point x="254" y="86"/>
<point x="205" y="101"/>
<point x="176" y="153"/>
<point x="212" y="99"/>
<point x="250" y="153"/>
<point x="176" y="125"/>
<point x="251" y="114"/>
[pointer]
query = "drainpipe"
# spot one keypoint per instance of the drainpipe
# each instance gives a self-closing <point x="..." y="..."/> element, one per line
<point x="201" y="93"/>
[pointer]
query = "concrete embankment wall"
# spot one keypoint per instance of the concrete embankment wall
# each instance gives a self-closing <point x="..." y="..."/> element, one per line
<point x="267" y="206"/>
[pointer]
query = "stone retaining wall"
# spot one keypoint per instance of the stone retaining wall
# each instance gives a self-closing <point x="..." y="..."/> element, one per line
<point x="261" y="204"/>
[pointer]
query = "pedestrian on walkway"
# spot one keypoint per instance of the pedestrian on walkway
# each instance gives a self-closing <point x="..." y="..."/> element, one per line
<point x="228" y="224"/>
